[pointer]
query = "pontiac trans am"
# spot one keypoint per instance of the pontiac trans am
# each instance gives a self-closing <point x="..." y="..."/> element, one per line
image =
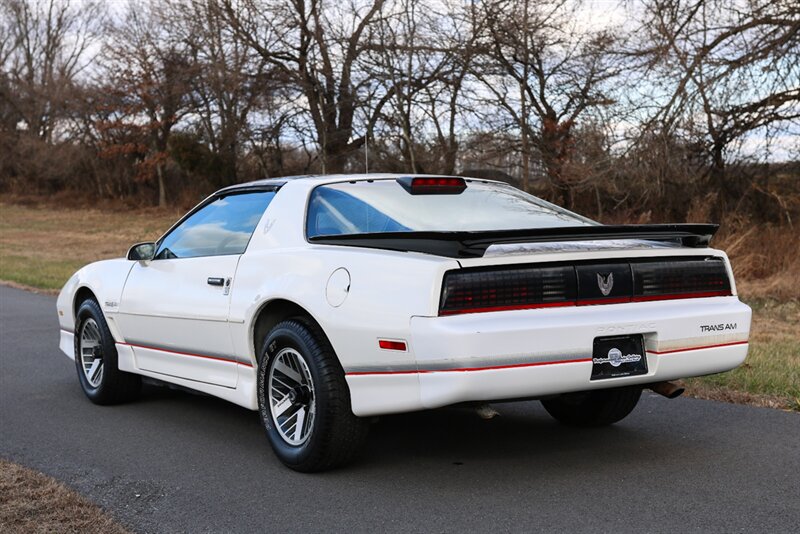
<point x="322" y="301"/>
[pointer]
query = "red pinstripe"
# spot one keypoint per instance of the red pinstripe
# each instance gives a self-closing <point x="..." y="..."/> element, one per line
<point x="535" y="364"/>
<point x="699" y="348"/>
<point x="588" y="302"/>
<point x="466" y="369"/>
<point x="204" y="356"/>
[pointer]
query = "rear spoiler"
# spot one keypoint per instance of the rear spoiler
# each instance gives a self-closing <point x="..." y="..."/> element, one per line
<point x="474" y="244"/>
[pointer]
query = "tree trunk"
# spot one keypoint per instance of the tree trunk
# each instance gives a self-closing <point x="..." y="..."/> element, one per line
<point x="717" y="176"/>
<point x="450" y="157"/>
<point x="336" y="153"/>
<point x="555" y="146"/>
<point x="228" y="171"/>
<point x="162" y="190"/>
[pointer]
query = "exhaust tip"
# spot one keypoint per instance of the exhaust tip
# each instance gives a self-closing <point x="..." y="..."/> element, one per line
<point x="486" y="412"/>
<point x="670" y="390"/>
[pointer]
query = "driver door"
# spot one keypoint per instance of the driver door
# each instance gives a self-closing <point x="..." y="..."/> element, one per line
<point x="174" y="309"/>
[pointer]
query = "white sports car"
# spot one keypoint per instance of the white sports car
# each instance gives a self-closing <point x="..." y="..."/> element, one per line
<point x="322" y="301"/>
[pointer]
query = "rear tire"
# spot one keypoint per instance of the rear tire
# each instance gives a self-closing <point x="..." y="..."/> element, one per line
<point x="304" y="401"/>
<point x="96" y="359"/>
<point x="593" y="408"/>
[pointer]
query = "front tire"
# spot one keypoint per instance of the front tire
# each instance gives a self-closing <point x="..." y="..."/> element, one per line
<point x="600" y="407"/>
<point x="96" y="359"/>
<point x="304" y="401"/>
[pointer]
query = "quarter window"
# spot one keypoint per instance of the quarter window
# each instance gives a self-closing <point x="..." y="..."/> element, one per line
<point x="221" y="228"/>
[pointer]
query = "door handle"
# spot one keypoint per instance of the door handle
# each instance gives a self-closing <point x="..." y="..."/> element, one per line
<point x="215" y="281"/>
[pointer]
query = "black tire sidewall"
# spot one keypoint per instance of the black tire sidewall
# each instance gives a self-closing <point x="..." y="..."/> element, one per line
<point x="594" y="408"/>
<point x="288" y="336"/>
<point x="89" y="309"/>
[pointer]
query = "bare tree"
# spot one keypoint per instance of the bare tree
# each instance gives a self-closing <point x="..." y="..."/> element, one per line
<point x="736" y="65"/>
<point x="150" y="72"/>
<point x="452" y="98"/>
<point x="44" y="46"/>
<point x="229" y="83"/>
<point x="8" y="112"/>
<point x="316" y="45"/>
<point x="422" y="57"/>
<point x="395" y="44"/>
<point x="674" y="102"/>
<point x="545" y="72"/>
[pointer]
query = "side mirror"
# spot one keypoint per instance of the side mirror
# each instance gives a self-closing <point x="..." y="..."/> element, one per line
<point x="142" y="252"/>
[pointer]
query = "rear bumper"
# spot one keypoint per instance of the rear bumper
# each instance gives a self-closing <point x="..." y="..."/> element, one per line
<point x="532" y="353"/>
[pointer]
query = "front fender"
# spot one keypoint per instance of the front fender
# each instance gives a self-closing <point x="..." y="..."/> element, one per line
<point x="106" y="280"/>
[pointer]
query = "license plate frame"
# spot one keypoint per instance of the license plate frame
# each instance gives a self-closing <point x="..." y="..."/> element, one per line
<point x="616" y="357"/>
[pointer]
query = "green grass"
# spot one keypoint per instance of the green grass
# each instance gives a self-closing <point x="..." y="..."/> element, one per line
<point x="41" y="274"/>
<point x="772" y="369"/>
<point x="771" y="372"/>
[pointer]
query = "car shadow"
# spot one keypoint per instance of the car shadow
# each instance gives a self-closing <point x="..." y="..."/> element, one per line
<point x="457" y="435"/>
<point x="523" y="434"/>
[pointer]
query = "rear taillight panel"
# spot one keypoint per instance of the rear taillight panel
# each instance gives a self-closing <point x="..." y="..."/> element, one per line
<point x="483" y="289"/>
<point x="703" y="278"/>
<point x="516" y="288"/>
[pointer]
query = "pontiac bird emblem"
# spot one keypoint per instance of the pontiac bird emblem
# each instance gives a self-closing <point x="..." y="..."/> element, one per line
<point x="605" y="282"/>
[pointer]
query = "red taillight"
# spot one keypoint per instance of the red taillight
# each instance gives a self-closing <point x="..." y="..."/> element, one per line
<point x="433" y="185"/>
<point x="521" y="287"/>
<point x="703" y="277"/>
<point x="388" y="344"/>
<point x="507" y="289"/>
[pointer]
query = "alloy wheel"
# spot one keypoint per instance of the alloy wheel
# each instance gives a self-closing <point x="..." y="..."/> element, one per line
<point x="291" y="396"/>
<point x="91" y="352"/>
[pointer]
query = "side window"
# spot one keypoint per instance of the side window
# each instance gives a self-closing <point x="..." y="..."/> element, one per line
<point x="221" y="228"/>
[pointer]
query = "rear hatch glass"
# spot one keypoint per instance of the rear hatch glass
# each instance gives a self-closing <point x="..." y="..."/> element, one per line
<point x="377" y="206"/>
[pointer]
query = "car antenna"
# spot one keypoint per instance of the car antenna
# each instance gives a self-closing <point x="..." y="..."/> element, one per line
<point x="366" y="152"/>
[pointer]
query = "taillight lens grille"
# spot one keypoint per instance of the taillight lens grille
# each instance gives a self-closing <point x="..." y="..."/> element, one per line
<point x="543" y="285"/>
<point x="506" y="288"/>
<point x="657" y="279"/>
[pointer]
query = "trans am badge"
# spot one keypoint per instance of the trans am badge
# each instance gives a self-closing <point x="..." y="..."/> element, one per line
<point x="616" y="358"/>
<point x="605" y="282"/>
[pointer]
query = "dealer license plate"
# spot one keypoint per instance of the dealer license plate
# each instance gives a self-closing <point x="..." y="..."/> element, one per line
<point x="617" y="356"/>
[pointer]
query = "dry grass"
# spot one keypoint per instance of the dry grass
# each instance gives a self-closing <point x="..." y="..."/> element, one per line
<point x="765" y="260"/>
<point x="764" y="257"/>
<point x="42" y="245"/>
<point x="33" y="503"/>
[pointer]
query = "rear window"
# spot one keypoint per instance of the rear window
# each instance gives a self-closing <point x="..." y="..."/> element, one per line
<point x="365" y="207"/>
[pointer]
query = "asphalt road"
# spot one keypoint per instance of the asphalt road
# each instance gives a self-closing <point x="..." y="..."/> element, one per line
<point x="175" y="462"/>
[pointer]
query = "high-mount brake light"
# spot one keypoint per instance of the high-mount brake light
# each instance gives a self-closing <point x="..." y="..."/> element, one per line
<point x="433" y="185"/>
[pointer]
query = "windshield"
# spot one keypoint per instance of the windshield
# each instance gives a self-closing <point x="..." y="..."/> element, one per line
<point x="385" y="206"/>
